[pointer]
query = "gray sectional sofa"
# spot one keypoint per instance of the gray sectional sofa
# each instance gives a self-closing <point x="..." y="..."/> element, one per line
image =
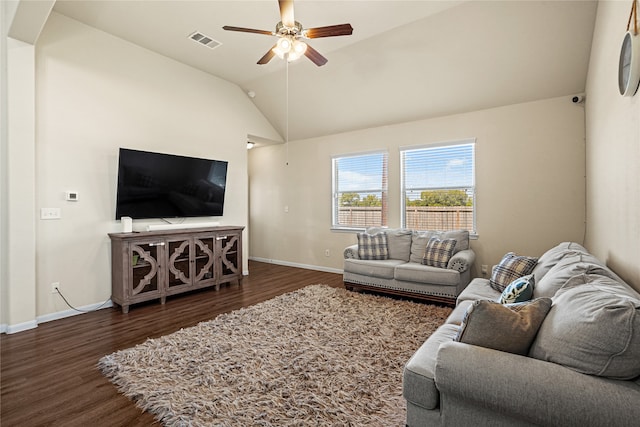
<point x="580" y="367"/>
<point x="403" y="273"/>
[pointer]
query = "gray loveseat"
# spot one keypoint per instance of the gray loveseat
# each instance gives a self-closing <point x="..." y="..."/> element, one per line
<point x="403" y="272"/>
<point x="581" y="368"/>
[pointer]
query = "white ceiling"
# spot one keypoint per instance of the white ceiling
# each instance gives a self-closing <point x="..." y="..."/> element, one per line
<point x="406" y="60"/>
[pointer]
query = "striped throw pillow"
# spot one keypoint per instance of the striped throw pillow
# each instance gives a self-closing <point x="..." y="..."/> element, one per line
<point x="372" y="246"/>
<point x="438" y="252"/>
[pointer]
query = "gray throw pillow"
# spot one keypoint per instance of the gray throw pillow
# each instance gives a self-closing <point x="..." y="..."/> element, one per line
<point x="593" y="328"/>
<point x="419" y="241"/>
<point x="399" y="243"/>
<point x="460" y="236"/>
<point x="511" y="327"/>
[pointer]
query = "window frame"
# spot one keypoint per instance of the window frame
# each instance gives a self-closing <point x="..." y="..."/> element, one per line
<point x="335" y="194"/>
<point x="473" y="193"/>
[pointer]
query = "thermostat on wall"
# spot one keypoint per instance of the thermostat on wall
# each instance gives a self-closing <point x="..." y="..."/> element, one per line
<point x="72" y="196"/>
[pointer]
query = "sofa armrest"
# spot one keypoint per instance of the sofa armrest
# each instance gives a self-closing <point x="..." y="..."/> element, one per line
<point x="351" y="252"/>
<point x="462" y="260"/>
<point x="529" y="389"/>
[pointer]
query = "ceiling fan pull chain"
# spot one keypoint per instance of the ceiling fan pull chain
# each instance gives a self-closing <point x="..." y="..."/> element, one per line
<point x="634" y="15"/>
<point x="286" y="136"/>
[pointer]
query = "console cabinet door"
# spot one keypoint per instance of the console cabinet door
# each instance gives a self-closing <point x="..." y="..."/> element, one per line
<point x="204" y="247"/>
<point x="229" y="262"/>
<point x="144" y="271"/>
<point x="180" y="263"/>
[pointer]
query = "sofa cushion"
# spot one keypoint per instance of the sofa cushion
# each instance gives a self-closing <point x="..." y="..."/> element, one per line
<point x="372" y="246"/>
<point x="554" y="255"/>
<point x="418" y="377"/>
<point x="419" y="240"/>
<point x="520" y="290"/>
<point x="412" y="272"/>
<point x="565" y="269"/>
<point x="458" y="313"/>
<point x="383" y="269"/>
<point x="460" y="236"/>
<point x="438" y="252"/>
<point x="593" y="328"/>
<point x="398" y="241"/>
<point x="478" y="289"/>
<point x="510" y="268"/>
<point x="510" y="327"/>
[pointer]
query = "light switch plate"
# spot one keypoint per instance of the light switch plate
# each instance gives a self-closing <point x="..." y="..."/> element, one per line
<point x="50" y="213"/>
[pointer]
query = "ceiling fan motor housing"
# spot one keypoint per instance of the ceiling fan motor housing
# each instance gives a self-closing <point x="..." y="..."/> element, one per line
<point x="283" y="30"/>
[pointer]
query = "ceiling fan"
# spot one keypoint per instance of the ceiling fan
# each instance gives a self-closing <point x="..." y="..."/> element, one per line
<point x="290" y="32"/>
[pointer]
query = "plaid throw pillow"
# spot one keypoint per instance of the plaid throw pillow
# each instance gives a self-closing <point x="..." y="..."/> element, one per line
<point x="372" y="246"/>
<point x="510" y="268"/>
<point x="438" y="252"/>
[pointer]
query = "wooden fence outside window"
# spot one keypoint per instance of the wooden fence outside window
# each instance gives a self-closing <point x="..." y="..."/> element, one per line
<point x="417" y="217"/>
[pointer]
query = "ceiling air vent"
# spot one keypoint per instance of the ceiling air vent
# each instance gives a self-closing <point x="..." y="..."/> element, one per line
<point x="204" y="40"/>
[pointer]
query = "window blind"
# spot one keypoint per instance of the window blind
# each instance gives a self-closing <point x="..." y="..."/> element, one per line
<point x="360" y="190"/>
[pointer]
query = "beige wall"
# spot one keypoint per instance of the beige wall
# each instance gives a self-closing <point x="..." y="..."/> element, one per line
<point x="19" y="172"/>
<point x="530" y="161"/>
<point x="613" y="151"/>
<point x="96" y="93"/>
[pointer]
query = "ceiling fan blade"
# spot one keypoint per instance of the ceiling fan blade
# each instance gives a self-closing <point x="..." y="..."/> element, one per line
<point x="248" y="30"/>
<point x="329" y="31"/>
<point x="315" y="56"/>
<point x="267" y="56"/>
<point x="286" y="13"/>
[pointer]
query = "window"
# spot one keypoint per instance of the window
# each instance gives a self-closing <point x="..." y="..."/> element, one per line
<point x="360" y="190"/>
<point x="438" y="186"/>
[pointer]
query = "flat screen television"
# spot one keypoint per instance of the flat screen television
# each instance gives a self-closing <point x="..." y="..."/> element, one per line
<point x="157" y="185"/>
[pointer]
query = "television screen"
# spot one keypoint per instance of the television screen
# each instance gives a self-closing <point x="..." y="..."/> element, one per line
<point x="156" y="185"/>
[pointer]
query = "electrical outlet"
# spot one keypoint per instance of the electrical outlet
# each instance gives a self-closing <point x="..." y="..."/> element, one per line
<point x="327" y="252"/>
<point x="55" y="287"/>
<point x="485" y="269"/>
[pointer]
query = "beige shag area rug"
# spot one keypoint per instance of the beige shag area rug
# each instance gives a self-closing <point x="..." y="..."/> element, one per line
<point x="319" y="356"/>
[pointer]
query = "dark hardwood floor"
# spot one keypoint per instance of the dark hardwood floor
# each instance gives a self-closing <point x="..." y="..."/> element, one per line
<point x="49" y="375"/>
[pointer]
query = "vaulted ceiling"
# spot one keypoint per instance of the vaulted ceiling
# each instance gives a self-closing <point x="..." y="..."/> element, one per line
<point x="406" y="60"/>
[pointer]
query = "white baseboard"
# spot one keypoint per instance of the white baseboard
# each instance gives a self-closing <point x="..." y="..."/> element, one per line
<point x="68" y="313"/>
<point x="12" y="329"/>
<point x="19" y="327"/>
<point x="293" y="264"/>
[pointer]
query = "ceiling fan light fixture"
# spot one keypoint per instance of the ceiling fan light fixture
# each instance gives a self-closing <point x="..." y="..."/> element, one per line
<point x="283" y="47"/>
<point x="297" y="50"/>
<point x="290" y="48"/>
<point x="299" y="47"/>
